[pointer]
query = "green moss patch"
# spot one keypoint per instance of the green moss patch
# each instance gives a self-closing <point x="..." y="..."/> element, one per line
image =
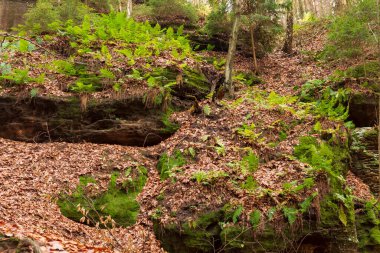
<point x="118" y="202"/>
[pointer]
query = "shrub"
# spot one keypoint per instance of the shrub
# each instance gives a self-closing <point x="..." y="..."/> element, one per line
<point x="265" y="18"/>
<point x="142" y="12"/>
<point x="72" y="10"/>
<point x="167" y="10"/>
<point x="351" y="33"/>
<point x="218" y="20"/>
<point x="370" y="69"/>
<point x="40" y="18"/>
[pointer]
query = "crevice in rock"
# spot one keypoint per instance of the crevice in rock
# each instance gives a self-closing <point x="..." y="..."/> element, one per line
<point x="123" y="122"/>
<point x="363" y="109"/>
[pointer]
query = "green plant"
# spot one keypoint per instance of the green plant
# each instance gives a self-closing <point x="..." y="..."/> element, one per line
<point x="333" y="104"/>
<point x="38" y="18"/>
<point x="218" y="21"/>
<point x="167" y="9"/>
<point x="292" y="187"/>
<point x="305" y="205"/>
<point x="220" y="147"/>
<point x="207" y="110"/>
<point x="24" y="46"/>
<point x="170" y="127"/>
<point x="309" y="90"/>
<point x="232" y="212"/>
<point x="107" y="74"/>
<point x="66" y="67"/>
<point x="350" y="34"/>
<point x="290" y="214"/>
<point x="276" y="99"/>
<point x="208" y="177"/>
<point x="249" y="163"/>
<point x="254" y="219"/>
<point x="250" y="184"/>
<point x="249" y="132"/>
<point x="5" y="68"/>
<point x="248" y="79"/>
<point x="369" y="69"/>
<point x="81" y="88"/>
<point x="47" y="16"/>
<point x="167" y="163"/>
<point x="18" y="76"/>
<point x="116" y="206"/>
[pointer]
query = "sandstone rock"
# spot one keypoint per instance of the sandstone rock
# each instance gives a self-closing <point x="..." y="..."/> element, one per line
<point x="365" y="157"/>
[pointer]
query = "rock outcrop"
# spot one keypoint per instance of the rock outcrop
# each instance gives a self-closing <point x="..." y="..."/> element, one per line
<point x="365" y="156"/>
<point x="123" y="122"/>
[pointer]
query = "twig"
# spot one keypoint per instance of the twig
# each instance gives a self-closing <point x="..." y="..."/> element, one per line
<point x="47" y="130"/>
<point x="146" y="137"/>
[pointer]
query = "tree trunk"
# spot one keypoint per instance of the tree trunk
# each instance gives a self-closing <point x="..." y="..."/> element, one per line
<point x="256" y="69"/>
<point x="378" y="95"/>
<point x="129" y="8"/>
<point x="231" y="51"/>
<point x="288" y="44"/>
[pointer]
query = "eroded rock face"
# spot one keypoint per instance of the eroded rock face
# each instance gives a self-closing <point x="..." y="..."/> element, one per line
<point x="123" y="122"/>
<point x="208" y="236"/>
<point x="365" y="157"/>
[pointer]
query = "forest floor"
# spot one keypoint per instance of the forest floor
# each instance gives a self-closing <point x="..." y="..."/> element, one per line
<point x="32" y="175"/>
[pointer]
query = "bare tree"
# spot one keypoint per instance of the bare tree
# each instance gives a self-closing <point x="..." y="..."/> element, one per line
<point x="378" y="95"/>
<point x="129" y="8"/>
<point x="232" y="47"/>
<point x="252" y="31"/>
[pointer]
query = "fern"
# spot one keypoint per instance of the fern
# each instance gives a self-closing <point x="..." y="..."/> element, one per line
<point x="334" y="104"/>
<point x="254" y="218"/>
<point x="80" y="87"/>
<point x="290" y="214"/>
<point x="208" y="177"/>
<point x="249" y="163"/>
<point x="248" y="131"/>
<point x="237" y="213"/>
<point x="166" y="163"/>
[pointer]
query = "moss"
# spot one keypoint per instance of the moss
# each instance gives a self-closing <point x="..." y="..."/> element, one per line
<point x="368" y="227"/>
<point x="71" y="110"/>
<point x="197" y="235"/>
<point x="119" y="202"/>
<point x="329" y="212"/>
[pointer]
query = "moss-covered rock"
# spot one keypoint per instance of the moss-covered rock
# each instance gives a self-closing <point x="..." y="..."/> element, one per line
<point x="199" y="235"/>
<point x="118" y="202"/>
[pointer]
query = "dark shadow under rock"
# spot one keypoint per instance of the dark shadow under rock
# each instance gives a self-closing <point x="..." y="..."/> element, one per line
<point x="364" y="109"/>
<point x="122" y="122"/>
